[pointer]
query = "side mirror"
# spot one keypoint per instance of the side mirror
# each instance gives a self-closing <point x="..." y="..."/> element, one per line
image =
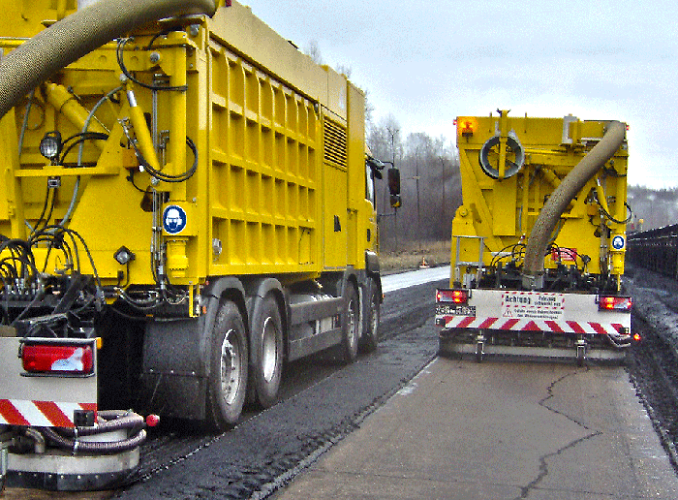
<point x="394" y="181"/>
<point x="394" y="187"/>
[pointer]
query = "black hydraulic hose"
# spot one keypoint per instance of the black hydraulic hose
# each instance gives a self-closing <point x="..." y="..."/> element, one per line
<point x="54" y="48"/>
<point x="121" y="62"/>
<point x="560" y="199"/>
<point x="77" y="140"/>
<point x="111" y="421"/>
<point x="167" y="177"/>
<point x="94" y="447"/>
<point x="21" y="251"/>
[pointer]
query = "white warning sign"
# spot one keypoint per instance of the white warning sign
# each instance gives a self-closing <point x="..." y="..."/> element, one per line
<point x="533" y="305"/>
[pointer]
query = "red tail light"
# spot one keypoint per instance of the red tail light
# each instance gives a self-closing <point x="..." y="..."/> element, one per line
<point x="453" y="296"/>
<point x="615" y="303"/>
<point x="75" y="359"/>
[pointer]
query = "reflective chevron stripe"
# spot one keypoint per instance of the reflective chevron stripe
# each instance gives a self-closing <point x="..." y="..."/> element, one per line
<point x="532" y="325"/>
<point x="40" y="413"/>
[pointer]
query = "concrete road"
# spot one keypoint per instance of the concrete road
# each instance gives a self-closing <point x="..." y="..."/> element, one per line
<point x="496" y="430"/>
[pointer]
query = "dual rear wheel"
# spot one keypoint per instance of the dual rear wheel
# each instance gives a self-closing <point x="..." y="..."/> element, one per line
<point x="234" y="360"/>
<point x="230" y="368"/>
<point x="356" y="331"/>
<point x="267" y="351"/>
<point x="227" y="381"/>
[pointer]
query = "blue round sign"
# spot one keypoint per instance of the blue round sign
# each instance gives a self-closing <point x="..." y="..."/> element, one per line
<point x="174" y="219"/>
<point x="618" y="242"/>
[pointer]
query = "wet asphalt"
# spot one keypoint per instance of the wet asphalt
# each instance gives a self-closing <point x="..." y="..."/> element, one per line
<point x="262" y="454"/>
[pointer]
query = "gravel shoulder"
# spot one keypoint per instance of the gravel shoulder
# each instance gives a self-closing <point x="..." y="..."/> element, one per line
<point x="653" y="363"/>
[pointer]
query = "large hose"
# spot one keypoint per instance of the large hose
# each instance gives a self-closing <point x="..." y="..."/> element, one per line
<point x="63" y="43"/>
<point x="109" y="421"/>
<point x="533" y="270"/>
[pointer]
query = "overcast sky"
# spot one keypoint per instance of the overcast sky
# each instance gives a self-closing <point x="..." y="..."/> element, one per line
<point x="427" y="61"/>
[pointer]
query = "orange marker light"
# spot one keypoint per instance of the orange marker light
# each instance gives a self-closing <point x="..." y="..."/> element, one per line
<point x="466" y="126"/>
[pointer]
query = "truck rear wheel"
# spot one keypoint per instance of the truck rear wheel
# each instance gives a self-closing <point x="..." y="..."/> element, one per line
<point x="267" y="356"/>
<point x="350" y="324"/>
<point x="227" y="382"/>
<point x="371" y="335"/>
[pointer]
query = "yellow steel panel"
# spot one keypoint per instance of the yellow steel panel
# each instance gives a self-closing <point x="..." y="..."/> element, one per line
<point x="266" y="188"/>
<point x="268" y="134"/>
<point x="504" y="207"/>
<point x="237" y="28"/>
<point x="11" y="197"/>
<point x="359" y="213"/>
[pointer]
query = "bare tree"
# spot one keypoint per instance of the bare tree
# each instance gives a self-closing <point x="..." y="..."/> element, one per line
<point x="345" y="70"/>
<point x="655" y="208"/>
<point x="313" y="51"/>
<point x="431" y="190"/>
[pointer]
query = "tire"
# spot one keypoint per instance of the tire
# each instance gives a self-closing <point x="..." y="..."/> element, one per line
<point x="350" y="324"/>
<point x="267" y="352"/>
<point x="371" y="335"/>
<point x="227" y="381"/>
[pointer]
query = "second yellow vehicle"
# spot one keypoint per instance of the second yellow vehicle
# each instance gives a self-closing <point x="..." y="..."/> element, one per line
<point x="538" y="244"/>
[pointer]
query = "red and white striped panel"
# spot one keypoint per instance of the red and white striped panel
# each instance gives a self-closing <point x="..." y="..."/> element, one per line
<point x="40" y="413"/>
<point x="531" y="325"/>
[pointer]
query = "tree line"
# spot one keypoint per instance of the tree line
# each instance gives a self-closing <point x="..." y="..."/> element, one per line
<point x="652" y="208"/>
<point x="430" y="186"/>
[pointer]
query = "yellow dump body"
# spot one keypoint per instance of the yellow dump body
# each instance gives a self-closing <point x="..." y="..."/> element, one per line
<point x="525" y="159"/>
<point x="183" y="210"/>
<point x="260" y="151"/>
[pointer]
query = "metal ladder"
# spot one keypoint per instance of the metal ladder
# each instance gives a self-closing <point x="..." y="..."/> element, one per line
<point x="478" y="265"/>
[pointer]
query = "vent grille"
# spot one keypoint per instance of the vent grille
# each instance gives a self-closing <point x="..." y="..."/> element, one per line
<point x="335" y="144"/>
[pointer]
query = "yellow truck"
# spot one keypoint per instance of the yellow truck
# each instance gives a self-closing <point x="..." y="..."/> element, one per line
<point x="538" y="244"/>
<point x="186" y="205"/>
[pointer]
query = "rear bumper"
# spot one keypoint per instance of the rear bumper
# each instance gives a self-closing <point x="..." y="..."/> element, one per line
<point x="532" y="344"/>
<point x="537" y="324"/>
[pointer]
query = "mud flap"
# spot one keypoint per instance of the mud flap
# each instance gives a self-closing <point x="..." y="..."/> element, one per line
<point x="175" y="368"/>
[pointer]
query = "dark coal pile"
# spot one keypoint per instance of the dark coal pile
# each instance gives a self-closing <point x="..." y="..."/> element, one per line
<point x="653" y="363"/>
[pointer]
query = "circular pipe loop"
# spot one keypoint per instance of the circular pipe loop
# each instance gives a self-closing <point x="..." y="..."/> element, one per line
<point x="512" y="168"/>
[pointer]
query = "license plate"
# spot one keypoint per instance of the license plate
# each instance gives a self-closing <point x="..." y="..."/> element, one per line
<point x="455" y="310"/>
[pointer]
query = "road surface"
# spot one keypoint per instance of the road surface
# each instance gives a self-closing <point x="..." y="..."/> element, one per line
<point x="401" y="423"/>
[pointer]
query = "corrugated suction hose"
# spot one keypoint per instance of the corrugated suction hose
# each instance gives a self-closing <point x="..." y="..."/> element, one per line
<point x="533" y="270"/>
<point x="66" y="41"/>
